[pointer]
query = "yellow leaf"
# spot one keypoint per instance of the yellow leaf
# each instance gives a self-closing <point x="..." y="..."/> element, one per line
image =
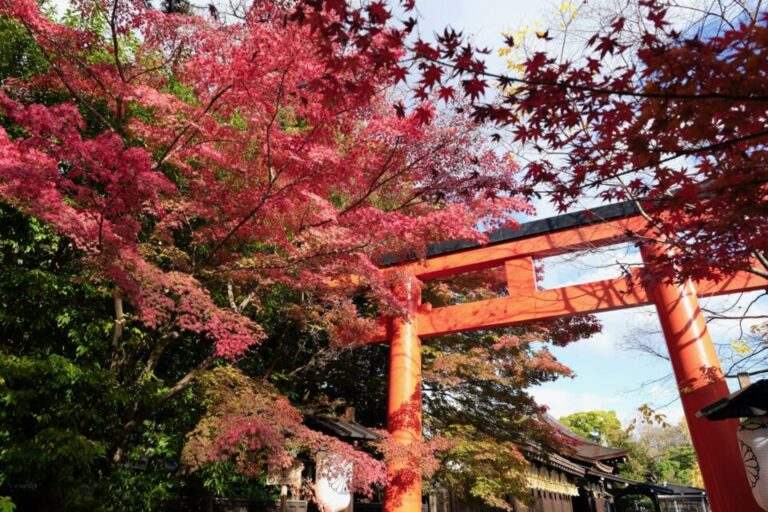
<point x="741" y="347"/>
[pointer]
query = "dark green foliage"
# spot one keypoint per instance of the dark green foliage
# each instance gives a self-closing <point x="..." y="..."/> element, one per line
<point x="59" y="407"/>
<point x="19" y="56"/>
<point x="601" y="427"/>
<point x="63" y="405"/>
<point x="677" y="464"/>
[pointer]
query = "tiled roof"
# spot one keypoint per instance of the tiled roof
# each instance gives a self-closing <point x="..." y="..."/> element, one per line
<point x="660" y="490"/>
<point x="584" y="449"/>
<point x="341" y="428"/>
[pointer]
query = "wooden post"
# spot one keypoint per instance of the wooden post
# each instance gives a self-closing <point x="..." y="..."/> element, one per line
<point x="701" y="382"/>
<point x="283" y="498"/>
<point x="403" y="493"/>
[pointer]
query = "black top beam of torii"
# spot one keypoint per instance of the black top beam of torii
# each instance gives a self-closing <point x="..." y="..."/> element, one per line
<point x="526" y="229"/>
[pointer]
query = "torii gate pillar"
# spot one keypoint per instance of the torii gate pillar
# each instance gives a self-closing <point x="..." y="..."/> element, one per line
<point x="403" y="492"/>
<point x="701" y="382"/>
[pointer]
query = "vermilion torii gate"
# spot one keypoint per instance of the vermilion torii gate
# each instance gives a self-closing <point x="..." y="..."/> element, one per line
<point x="694" y="360"/>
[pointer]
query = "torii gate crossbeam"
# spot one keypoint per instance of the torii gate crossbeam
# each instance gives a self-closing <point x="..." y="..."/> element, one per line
<point x="694" y="360"/>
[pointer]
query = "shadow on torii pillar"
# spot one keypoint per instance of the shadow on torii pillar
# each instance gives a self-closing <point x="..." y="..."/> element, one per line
<point x="694" y="361"/>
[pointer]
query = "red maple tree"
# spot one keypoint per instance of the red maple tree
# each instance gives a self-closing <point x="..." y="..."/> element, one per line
<point x="194" y="163"/>
<point x="672" y="119"/>
<point x="239" y="137"/>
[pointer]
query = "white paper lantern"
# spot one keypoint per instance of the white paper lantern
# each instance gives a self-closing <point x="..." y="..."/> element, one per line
<point x="753" y="441"/>
<point x="332" y="482"/>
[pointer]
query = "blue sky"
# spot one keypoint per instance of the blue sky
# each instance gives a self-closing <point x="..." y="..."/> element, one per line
<point x="607" y="375"/>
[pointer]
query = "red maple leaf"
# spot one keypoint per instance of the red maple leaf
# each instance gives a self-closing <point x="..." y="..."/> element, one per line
<point x="446" y="93"/>
<point x="399" y="73"/>
<point x="474" y="87"/>
<point x="431" y="75"/>
<point x="424" y="113"/>
<point x="426" y="50"/>
<point x="378" y="12"/>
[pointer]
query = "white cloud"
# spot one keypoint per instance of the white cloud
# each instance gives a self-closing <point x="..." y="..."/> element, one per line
<point x="562" y="402"/>
<point x="603" y="343"/>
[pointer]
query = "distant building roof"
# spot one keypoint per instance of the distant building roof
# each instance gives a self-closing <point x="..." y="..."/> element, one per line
<point x="678" y="490"/>
<point x="341" y="428"/>
<point x="661" y="491"/>
<point x="584" y="449"/>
